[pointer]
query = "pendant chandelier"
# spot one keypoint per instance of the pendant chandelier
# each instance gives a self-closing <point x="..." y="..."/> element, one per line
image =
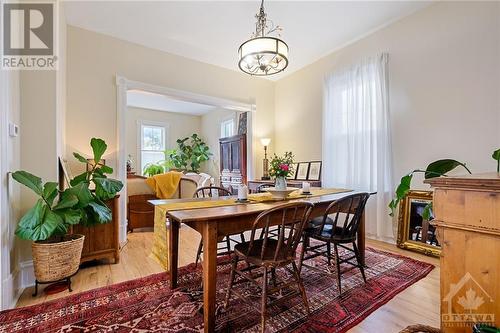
<point x="262" y="54"/>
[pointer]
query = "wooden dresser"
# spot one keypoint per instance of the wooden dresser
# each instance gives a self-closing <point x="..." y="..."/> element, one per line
<point x="101" y="240"/>
<point x="467" y="216"/>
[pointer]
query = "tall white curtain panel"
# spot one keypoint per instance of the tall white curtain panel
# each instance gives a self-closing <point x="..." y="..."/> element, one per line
<point x="357" y="150"/>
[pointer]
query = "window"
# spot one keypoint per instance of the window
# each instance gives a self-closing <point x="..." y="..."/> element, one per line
<point x="153" y="144"/>
<point x="227" y="128"/>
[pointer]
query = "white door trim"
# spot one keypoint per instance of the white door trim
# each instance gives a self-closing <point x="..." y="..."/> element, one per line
<point x="123" y="84"/>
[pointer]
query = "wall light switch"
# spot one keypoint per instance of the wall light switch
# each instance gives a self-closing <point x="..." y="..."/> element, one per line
<point x="13" y="130"/>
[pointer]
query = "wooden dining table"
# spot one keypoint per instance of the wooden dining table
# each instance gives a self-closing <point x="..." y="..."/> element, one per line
<point x="216" y="222"/>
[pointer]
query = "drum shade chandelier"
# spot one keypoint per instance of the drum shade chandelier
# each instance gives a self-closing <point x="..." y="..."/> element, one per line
<point x="263" y="54"/>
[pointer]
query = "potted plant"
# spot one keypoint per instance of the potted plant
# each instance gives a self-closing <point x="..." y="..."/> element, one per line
<point x="435" y="169"/>
<point x="280" y="169"/>
<point x="191" y="152"/>
<point x="56" y="254"/>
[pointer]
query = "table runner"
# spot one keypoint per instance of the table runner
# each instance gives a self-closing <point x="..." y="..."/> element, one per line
<point x="159" y="251"/>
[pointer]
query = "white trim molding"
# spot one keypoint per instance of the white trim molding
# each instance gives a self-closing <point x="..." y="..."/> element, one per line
<point x="123" y="85"/>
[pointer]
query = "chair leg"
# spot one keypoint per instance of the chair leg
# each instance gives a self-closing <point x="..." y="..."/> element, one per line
<point x="356" y="252"/>
<point x="305" y="244"/>
<point x="264" y="300"/>
<point x="273" y="276"/>
<point x="242" y="237"/>
<point x="301" y="287"/>
<point x="231" y="280"/>
<point x="337" y="263"/>
<point x="329" y="253"/>
<point x="228" y="243"/>
<point x="198" y="253"/>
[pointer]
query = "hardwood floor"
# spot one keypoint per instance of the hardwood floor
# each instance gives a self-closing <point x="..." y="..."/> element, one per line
<point x="419" y="304"/>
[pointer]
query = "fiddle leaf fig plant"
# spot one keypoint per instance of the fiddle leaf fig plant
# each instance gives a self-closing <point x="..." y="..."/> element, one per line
<point x="76" y="204"/>
<point x="435" y="169"/>
<point x="191" y="153"/>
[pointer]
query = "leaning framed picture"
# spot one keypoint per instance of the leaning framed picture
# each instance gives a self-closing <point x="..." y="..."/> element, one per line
<point x="293" y="174"/>
<point x="302" y="171"/>
<point x="314" y="170"/>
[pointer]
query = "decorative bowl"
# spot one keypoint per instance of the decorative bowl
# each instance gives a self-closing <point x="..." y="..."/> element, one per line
<point x="280" y="194"/>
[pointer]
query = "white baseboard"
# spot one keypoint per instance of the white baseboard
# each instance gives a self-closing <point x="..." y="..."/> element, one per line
<point x="11" y="290"/>
<point x="27" y="274"/>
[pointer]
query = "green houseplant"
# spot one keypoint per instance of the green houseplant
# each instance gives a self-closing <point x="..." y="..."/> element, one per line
<point x="191" y="153"/>
<point x="48" y="221"/>
<point x="152" y="169"/>
<point x="435" y="169"/>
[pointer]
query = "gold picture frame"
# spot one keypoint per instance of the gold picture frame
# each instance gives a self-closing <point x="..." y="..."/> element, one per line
<point x="411" y="236"/>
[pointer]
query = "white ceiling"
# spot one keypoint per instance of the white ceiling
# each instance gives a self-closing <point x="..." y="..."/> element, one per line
<point x="211" y="31"/>
<point x="153" y="101"/>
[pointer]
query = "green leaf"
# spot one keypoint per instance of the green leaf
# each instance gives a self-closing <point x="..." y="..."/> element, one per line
<point x="101" y="213"/>
<point x="50" y="192"/>
<point x="51" y="222"/>
<point x="98" y="147"/>
<point x="34" y="215"/>
<point x="39" y="223"/>
<point x="427" y="213"/>
<point x="70" y="216"/>
<point x="441" y="167"/>
<point x="68" y="200"/>
<point x="401" y="191"/>
<point x="80" y="157"/>
<point x="106" y="169"/>
<point x="496" y="156"/>
<point x="29" y="180"/>
<point x="82" y="192"/>
<point x="106" y="188"/>
<point x="78" y="179"/>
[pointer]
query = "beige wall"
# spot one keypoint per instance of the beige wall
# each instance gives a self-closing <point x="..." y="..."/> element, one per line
<point x="444" y="78"/>
<point x="179" y="126"/>
<point x="94" y="60"/>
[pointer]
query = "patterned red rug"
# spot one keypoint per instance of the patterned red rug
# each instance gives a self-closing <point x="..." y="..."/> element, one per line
<point x="148" y="304"/>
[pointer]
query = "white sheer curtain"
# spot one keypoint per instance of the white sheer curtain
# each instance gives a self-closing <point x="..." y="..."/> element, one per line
<point x="356" y="138"/>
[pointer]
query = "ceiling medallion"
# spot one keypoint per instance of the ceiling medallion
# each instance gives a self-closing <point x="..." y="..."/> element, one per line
<point x="263" y="54"/>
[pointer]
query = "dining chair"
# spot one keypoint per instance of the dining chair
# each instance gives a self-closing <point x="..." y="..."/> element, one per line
<point x="268" y="254"/>
<point x="224" y="241"/>
<point x="338" y="226"/>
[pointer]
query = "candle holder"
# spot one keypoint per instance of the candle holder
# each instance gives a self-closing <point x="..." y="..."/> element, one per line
<point x="265" y="163"/>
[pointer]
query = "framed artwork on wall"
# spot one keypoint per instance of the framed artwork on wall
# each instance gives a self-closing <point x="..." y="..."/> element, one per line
<point x="302" y="171"/>
<point x="314" y="170"/>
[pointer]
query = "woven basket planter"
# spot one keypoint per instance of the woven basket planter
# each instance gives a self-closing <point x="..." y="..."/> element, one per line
<point x="57" y="258"/>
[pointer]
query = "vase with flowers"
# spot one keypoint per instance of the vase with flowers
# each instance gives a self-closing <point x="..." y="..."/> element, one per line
<point x="281" y="167"/>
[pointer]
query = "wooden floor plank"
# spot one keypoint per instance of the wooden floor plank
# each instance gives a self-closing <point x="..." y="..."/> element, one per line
<point x="418" y="304"/>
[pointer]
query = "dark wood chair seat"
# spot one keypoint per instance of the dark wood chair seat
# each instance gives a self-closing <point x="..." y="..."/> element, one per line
<point x="254" y="256"/>
<point x="338" y="226"/>
<point x="266" y="255"/>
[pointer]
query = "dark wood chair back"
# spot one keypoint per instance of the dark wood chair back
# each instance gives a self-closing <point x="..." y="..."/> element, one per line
<point x="293" y="216"/>
<point x="208" y="191"/>
<point x="345" y="217"/>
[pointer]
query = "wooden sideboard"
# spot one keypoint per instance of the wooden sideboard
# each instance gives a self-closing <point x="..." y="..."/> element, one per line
<point x="253" y="184"/>
<point x="467" y="217"/>
<point x="101" y="240"/>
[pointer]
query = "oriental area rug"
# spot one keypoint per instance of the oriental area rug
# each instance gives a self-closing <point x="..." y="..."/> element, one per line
<point x="148" y="305"/>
